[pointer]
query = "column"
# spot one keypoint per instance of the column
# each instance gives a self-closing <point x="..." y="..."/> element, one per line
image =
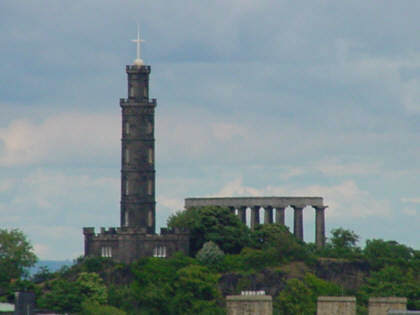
<point x="298" y="222"/>
<point x="280" y="215"/>
<point x="242" y="214"/>
<point x="320" y="226"/>
<point x="255" y="216"/>
<point x="268" y="215"/>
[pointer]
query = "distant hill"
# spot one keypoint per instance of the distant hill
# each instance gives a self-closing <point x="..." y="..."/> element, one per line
<point x="52" y="265"/>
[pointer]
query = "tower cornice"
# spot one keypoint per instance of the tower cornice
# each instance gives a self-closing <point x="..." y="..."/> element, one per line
<point x="127" y="102"/>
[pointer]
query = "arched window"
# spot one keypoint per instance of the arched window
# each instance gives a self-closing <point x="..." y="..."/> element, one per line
<point x="106" y="252"/>
<point x="159" y="251"/>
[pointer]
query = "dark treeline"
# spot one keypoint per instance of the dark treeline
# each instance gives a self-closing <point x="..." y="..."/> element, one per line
<point x="221" y="248"/>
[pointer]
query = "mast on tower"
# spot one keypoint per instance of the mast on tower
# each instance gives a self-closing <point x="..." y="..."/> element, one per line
<point x="138" y="61"/>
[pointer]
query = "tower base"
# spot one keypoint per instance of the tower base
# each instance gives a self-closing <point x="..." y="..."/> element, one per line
<point x="126" y="245"/>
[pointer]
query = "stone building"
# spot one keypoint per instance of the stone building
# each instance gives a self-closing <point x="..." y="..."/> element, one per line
<point x="136" y="237"/>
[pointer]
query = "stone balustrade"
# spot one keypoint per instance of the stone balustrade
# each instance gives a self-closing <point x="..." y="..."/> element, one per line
<point x="274" y="210"/>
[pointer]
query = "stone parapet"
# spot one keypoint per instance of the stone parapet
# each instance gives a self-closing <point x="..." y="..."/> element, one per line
<point x="249" y="305"/>
<point x="382" y="305"/>
<point x="109" y="233"/>
<point x="138" y="69"/>
<point x="336" y="305"/>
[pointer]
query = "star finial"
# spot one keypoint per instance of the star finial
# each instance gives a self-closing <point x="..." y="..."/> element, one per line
<point x="138" y="61"/>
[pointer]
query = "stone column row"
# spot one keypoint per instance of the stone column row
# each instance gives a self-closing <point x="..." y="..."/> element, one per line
<point x="279" y="219"/>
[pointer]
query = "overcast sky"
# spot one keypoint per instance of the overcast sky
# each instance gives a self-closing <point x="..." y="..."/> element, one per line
<point x="256" y="98"/>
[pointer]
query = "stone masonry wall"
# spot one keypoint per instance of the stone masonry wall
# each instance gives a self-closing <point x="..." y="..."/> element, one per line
<point x="381" y="305"/>
<point x="336" y="305"/>
<point x="127" y="245"/>
<point x="249" y="305"/>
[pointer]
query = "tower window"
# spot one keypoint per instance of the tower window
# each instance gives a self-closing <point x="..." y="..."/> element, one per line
<point x="132" y="91"/>
<point x="126" y="218"/>
<point x="150" y="156"/>
<point x="127" y="156"/>
<point x="127" y="187"/>
<point x="127" y="128"/>
<point x="149" y="187"/>
<point x="106" y="252"/>
<point x="149" y="128"/>
<point x="150" y="219"/>
<point x="159" y="251"/>
<point x="145" y="90"/>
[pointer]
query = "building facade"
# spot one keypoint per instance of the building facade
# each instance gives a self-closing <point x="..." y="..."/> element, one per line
<point x="136" y="237"/>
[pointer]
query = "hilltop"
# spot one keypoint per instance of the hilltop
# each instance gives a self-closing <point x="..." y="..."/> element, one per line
<point x="226" y="258"/>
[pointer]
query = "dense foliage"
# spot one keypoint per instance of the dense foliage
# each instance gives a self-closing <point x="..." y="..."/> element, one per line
<point x="16" y="255"/>
<point x="300" y="296"/>
<point x="215" y="224"/>
<point x="227" y="257"/>
<point x="68" y="296"/>
<point x="210" y="254"/>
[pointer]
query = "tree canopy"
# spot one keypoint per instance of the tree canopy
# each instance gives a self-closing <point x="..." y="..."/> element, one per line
<point x="215" y="224"/>
<point x="269" y="256"/>
<point x="16" y="255"/>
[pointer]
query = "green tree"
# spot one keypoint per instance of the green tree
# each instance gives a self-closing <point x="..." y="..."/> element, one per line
<point x="342" y="244"/>
<point x="394" y="281"/>
<point x="94" y="308"/>
<point x="42" y="275"/>
<point x="195" y="291"/>
<point x="278" y="237"/>
<point x="67" y="296"/>
<point x="16" y="255"/>
<point x="380" y="253"/>
<point x="216" y="224"/>
<point x="210" y="254"/>
<point x="300" y="296"/>
<point x="342" y="238"/>
<point x="295" y="299"/>
<point x="92" y="287"/>
<point x="153" y="277"/>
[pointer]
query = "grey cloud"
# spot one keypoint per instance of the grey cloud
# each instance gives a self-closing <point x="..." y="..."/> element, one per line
<point x="262" y="90"/>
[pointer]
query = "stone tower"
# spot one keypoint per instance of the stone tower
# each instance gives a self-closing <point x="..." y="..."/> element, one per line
<point x="136" y="237"/>
<point x="137" y="152"/>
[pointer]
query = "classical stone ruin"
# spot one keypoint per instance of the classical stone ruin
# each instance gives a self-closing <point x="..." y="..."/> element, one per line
<point x="274" y="209"/>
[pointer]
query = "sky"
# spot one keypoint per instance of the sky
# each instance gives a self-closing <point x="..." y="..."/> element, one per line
<point x="255" y="98"/>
